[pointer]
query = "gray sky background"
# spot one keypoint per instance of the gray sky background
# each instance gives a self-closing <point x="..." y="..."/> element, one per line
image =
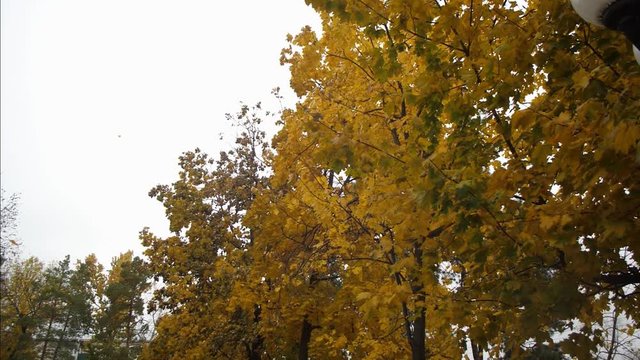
<point x="99" y="98"/>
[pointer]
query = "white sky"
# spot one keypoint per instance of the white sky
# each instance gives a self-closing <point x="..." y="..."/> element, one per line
<point x="76" y="74"/>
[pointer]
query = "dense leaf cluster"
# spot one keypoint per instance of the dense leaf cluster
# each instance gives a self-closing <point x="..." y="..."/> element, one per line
<point x="59" y="311"/>
<point x="458" y="178"/>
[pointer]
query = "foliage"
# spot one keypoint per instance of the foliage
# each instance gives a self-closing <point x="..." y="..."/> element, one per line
<point x="21" y="307"/>
<point x="489" y="160"/>
<point x="66" y="310"/>
<point x="119" y="326"/>
<point x="8" y="225"/>
<point x="208" y="255"/>
<point x="458" y="179"/>
<point x="47" y="312"/>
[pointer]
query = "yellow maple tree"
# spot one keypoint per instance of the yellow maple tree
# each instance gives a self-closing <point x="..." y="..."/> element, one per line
<point x="458" y="178"/>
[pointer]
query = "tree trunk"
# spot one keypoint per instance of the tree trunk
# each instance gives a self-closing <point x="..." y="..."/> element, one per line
<point x="129" y="325"/>
<point x="21" y="341"/>
<point x="47" y="335"/>
<point x="407" y="324"/>
<point x="476" y="351"/>
<point x="305" y="338"/>
<point x="507" y="354"/>
<point x="255" y="349"/>
<point x="612" y="349"/>
<point x="418" y="346"/>
<point x="62" y="335"/>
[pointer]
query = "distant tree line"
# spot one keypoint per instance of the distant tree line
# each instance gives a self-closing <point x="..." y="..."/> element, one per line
<point x="61" y="310"/>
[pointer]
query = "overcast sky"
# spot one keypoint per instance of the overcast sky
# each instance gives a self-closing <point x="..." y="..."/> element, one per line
<point x="99" y="98"/>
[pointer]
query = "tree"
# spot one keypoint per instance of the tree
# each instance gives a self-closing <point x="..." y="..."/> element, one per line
<point x="208" y="256"/>
<point x="458" y="177"/>
<point x="291" y="277"/>
<point x="120" y="327"/>
<point x="489" y="146"/>
<point x="619" y="337"/>
<point x="55" y="293"/>
<point x="66" y="311"/>
<point x="44" y="310"/>
<point x="8" y="225"/>
<point x="22" y="304"/>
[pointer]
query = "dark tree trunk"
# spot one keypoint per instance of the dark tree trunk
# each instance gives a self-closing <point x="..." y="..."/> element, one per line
<point x="418" y="346"/>
<point x="254" y="350"/>
<point x="13" y="354"/>
<point x="62" y="334"/>
<point x="507" y="354"/>
<point x="46" y="337"/>
<point x="305" y="338"/>
<point x="130" y="320"/>
<point x="476" y="351"/>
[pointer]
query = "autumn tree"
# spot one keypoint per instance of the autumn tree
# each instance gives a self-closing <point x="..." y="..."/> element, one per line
<point x="21" y="309"/>
<point x="458" y="177"/>
<point x="46" y="310"/>
<point x="208" y="255"/>
<point x="295" y="274"/>
<point x="492" y="153"/>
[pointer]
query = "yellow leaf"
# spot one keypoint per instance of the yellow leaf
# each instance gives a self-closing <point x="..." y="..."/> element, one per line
<point x="626" y="136"/>
<point x="547" y="222"/>
<point x="522" y="119"/>
<point x="363" y="296"/>
<point x="580" y="79"/>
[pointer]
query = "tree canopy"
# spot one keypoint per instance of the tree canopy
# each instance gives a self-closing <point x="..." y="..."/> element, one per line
<point x="458" y="178"/>
<point x="60" y="311"/>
